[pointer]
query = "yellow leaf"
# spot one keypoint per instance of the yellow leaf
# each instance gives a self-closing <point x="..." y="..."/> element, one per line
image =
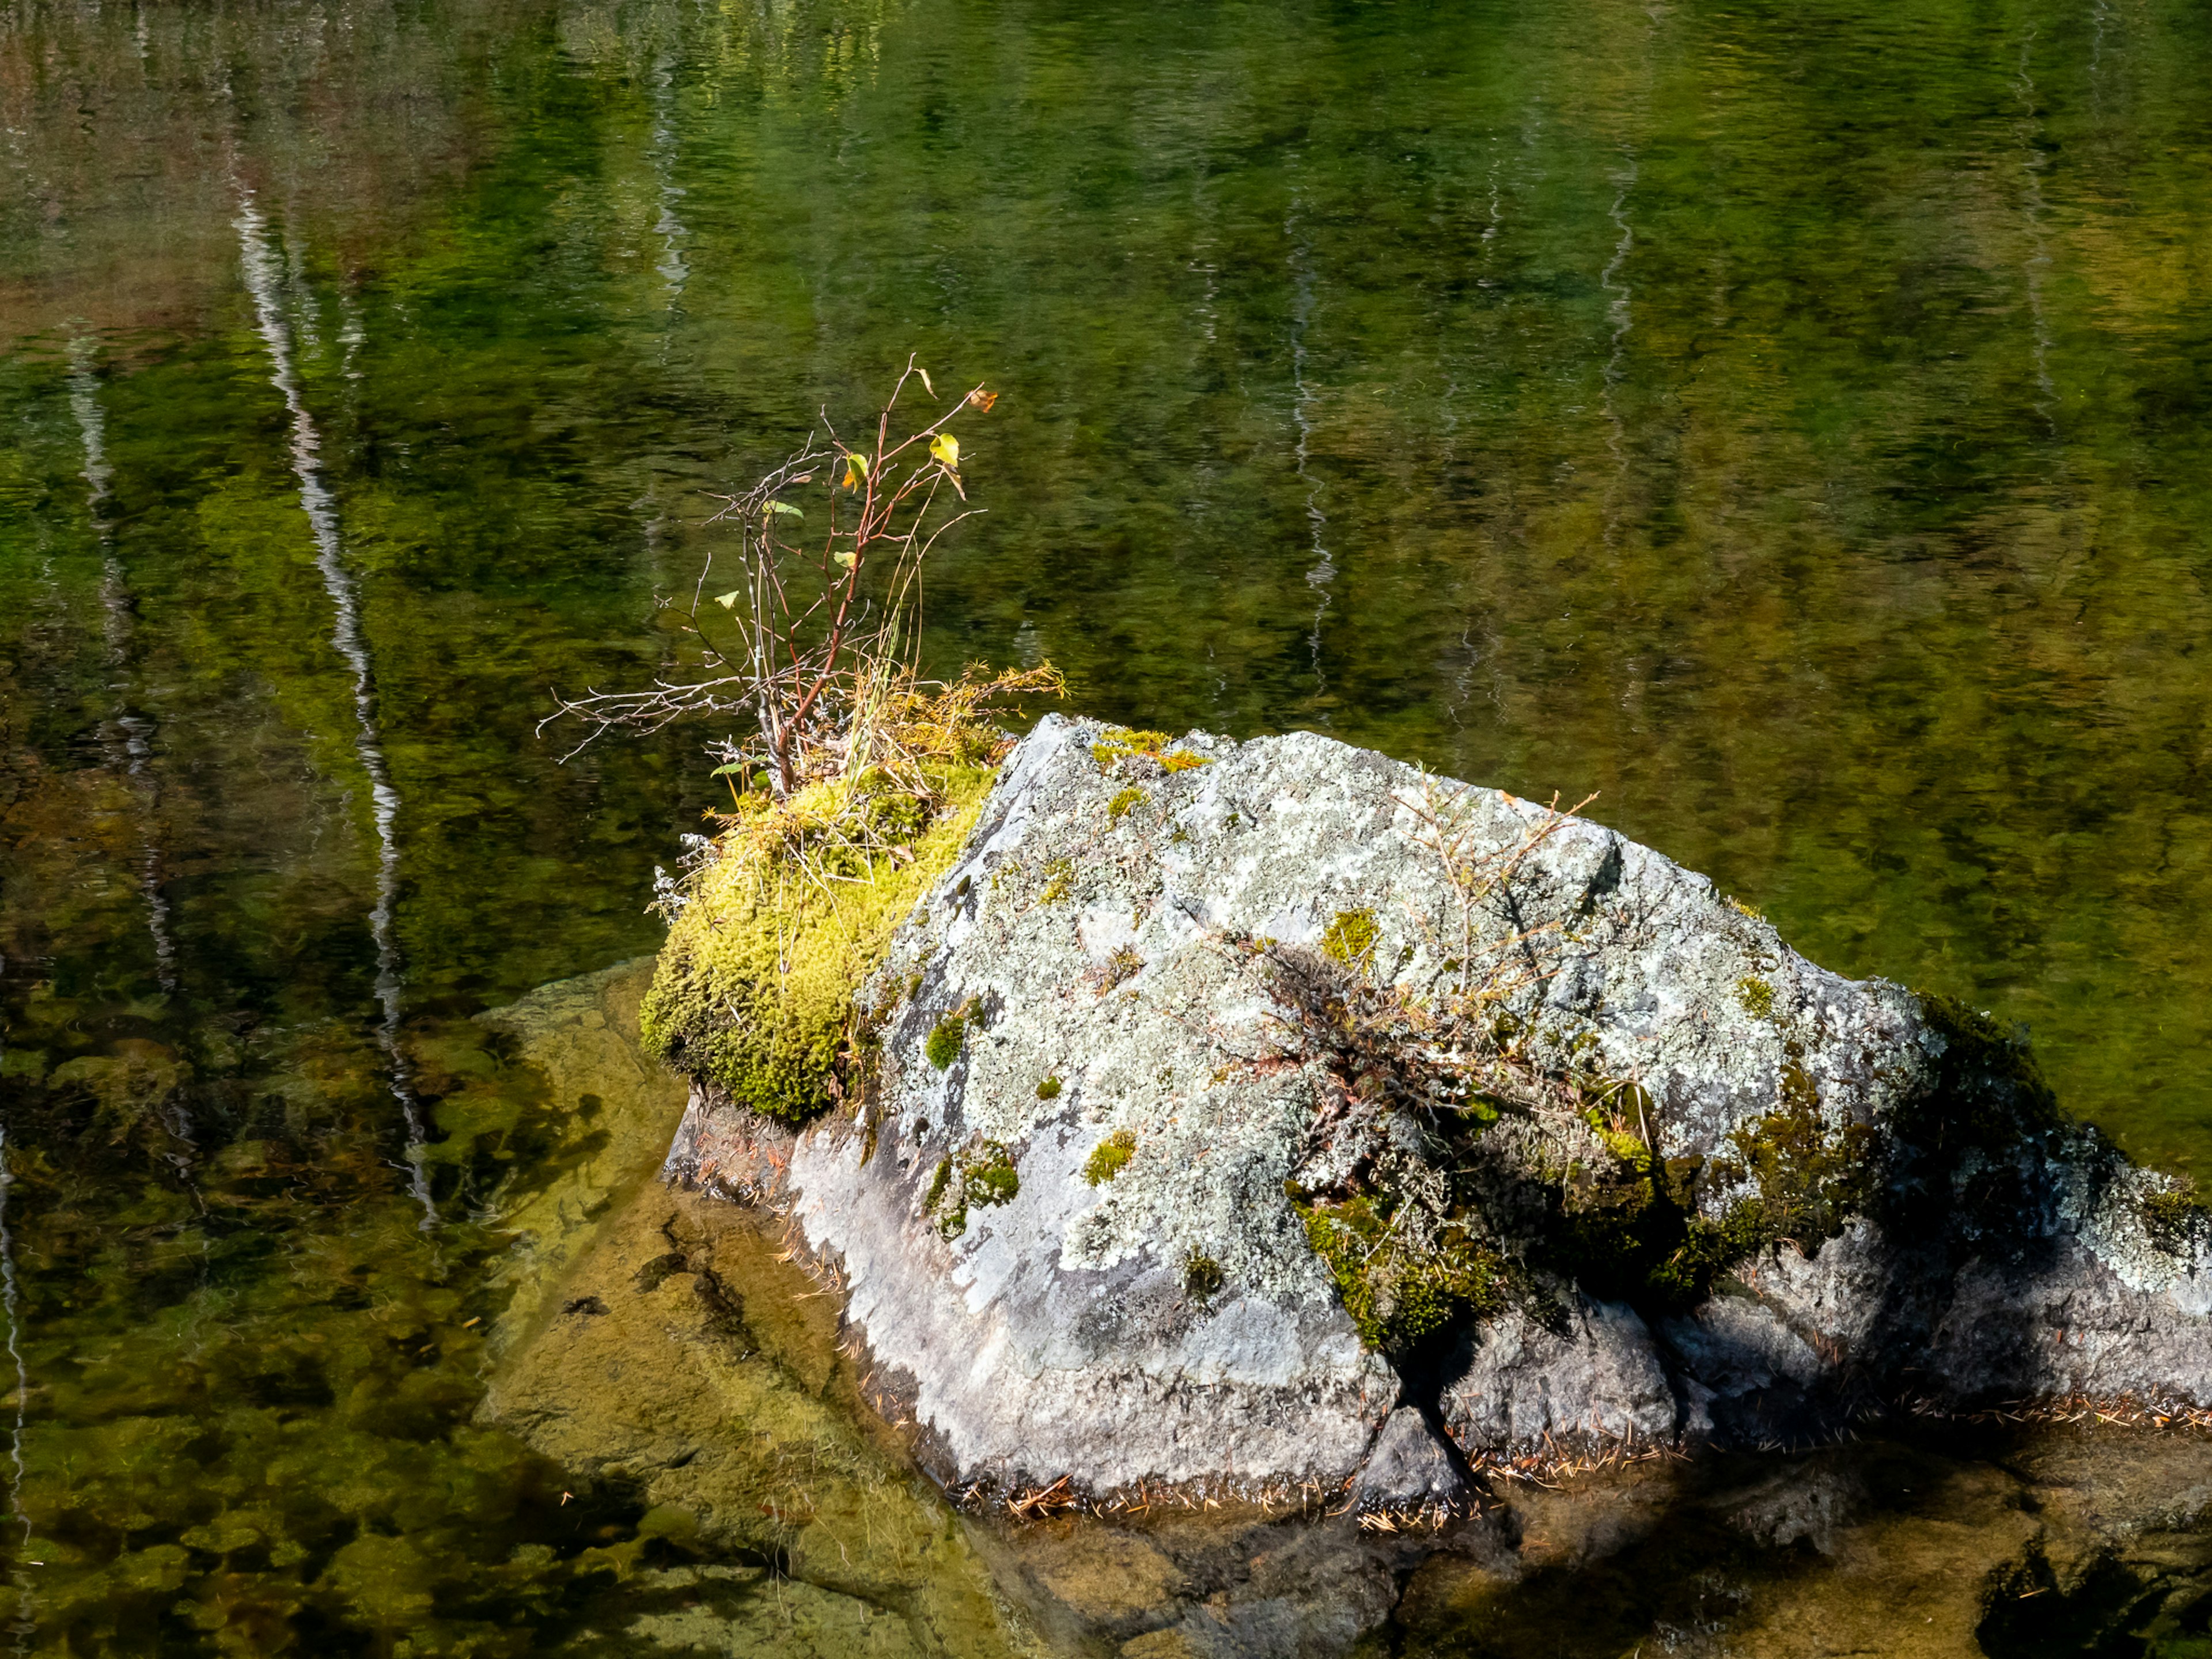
<point x="845" y="557"/>
<point x="725" y="601"/>
<point x="856" y="470"/>
<point x="926" y="385"/>
<point x="946" y="449"/>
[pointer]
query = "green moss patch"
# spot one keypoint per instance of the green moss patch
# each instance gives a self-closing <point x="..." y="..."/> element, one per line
<point x="1110" y="1157"/>
<point x="1203" y="1278"/>
<point x="1350" y="939"/>
<point x="948" y="1036"/>
<point x="1120" y="807"/>
<point x="755" y="990"/>
<point x="982" y="1175"/>
<point x="1398" y="1288"/>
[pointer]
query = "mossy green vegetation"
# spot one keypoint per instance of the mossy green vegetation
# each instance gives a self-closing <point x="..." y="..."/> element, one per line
<point x="1350" y="939"/>
<point x="1048" y="1089"/>
<point x="2178" y="1216"/>
<point x="1123" y="801"/>
<point x="1398" y="1288"/>
<point x="1202" y="1277"/>
<point x="950" y="1034"/>
<point x="1059" y="881"/>
<point x="1118" y="744"/>
<point x="754" y="993"/>
<point x="1110" y="1157"/>
<point x="1123" y="741"/>
<point x="1757" y="997"/>
<point x="982" y="1175"/>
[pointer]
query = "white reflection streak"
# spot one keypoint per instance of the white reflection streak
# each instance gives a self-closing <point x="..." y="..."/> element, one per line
<point x="11" y="1299"/>
<point x="262" y="280"/>
<point x="1322" y="577"/>
<point x="134" y="753"/>
<point x="673" y="270"/>
<point x="1620" y="313"/>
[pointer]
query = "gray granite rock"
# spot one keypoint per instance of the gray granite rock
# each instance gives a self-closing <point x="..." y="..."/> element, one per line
<point x="1073" y="1246"/>
<point x="1410" y="1467"/>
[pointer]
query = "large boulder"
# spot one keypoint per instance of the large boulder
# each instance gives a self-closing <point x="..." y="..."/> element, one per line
<point x="1230" y="1097"/>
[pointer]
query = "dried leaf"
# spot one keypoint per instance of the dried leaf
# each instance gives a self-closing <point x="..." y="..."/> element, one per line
<point x="982" y="400"/>
<point x="926" y="385"/>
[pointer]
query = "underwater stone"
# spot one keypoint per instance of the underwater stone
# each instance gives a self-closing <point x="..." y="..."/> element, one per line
<point x="1869" y="1193"/>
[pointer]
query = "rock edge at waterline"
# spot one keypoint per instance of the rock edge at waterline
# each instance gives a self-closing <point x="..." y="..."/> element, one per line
<point x="1071" y="1213"/>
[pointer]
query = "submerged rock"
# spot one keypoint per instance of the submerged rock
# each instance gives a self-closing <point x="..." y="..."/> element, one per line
<point x="1230" y="1098"/>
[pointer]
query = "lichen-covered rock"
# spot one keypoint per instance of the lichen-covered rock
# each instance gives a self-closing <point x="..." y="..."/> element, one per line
<point x="1228" y="1093"/>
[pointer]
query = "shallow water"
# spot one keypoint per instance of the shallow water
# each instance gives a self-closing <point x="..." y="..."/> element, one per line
<point x="1788" y="422"/>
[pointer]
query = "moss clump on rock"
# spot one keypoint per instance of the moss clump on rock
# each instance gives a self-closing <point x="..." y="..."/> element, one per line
<point x="793" y="908"/>
<point x="949" y="1035"/>
<point x="1110" y="1157"/>
<point x="1351" y="936"/>
<point x="1398" y="1287"/>
<point x="982" y="1175"/>
<point x="1203" y="1278"/>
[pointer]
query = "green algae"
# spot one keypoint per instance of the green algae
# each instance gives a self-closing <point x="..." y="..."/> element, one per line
<point x="756" y="990"/>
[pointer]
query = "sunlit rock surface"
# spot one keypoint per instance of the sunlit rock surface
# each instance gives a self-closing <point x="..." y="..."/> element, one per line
<point x="1063" y="1218"/>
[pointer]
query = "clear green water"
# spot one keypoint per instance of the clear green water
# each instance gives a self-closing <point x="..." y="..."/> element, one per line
<point x="1787" y="421"/>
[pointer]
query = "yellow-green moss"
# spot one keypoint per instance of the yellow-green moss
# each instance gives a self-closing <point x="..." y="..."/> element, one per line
<point x="1119" y="806"/>
<point x="1049" y="1089"/>
<point x="1351" y="936"/>
<point x="1123" y="741"/>
<point x="1757" y="997"/>
<point x="1182" y="760"/>
<point x="754" y="992"/>
<point x="1109" y="1157"/>
<point x="1059" y="881"/>
<point x="1396" y="1294"/>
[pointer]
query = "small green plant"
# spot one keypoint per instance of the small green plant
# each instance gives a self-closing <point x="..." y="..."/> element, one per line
<point x="1757" y="997"/>
<point x="949" y="1034"/>
<point x="1119" y="806"/>
<point x="1203" y="1278"/>
<point x="1749" y="913"/>
<point x="1049" y="1089"/>
<point x="938" y="1184"/>
<point x="1182" y="760"/>
<point x="1110" y="1157"/>
<point x="1059" y="881"/>
<point x="1122" y="965"/>
<point x="1351" y="937"/>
